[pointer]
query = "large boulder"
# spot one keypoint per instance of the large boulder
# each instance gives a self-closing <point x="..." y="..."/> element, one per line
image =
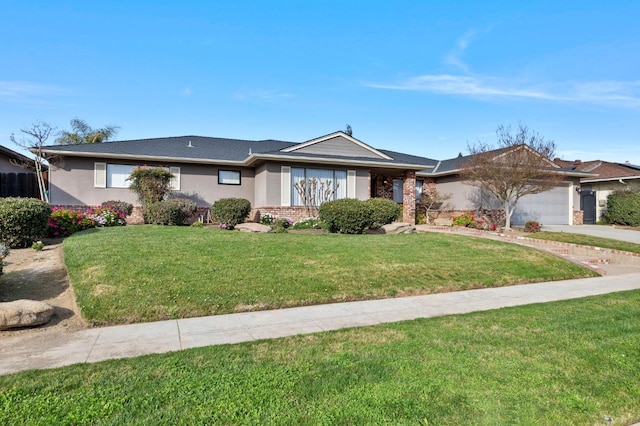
<point x="24" y="313"/>
<point x="398" y="228"/>
<point x="252" y="227"/>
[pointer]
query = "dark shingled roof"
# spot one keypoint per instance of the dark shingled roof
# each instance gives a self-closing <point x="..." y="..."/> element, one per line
<point x="181" y="147"/>
<point x="218" y="149"/>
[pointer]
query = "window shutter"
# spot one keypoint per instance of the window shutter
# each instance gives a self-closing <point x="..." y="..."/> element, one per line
<point x="175" y="181"/>
<point x="100" y="175"/>
<point x="351" y="184"/>
<point x="285" y="186"/>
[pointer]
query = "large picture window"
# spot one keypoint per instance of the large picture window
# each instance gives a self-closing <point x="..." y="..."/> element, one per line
<point x="117" y="175"/>
<point x="328" y="184"/>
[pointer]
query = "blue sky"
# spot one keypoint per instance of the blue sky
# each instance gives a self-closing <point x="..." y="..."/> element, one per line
<point x="421" y="77"/>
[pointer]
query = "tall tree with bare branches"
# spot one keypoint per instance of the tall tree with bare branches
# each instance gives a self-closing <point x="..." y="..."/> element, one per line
<point x="34" y="141"/>
<point x="521" y="164"/>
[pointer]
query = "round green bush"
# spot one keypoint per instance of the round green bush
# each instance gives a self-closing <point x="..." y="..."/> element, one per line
<point x="119" y="206"/>
<point x="229" y="212"/>
<point x="167" y="212"/>
<point x="623" y="208"/>
<point x="23" y="221"/>
<point x="346" y="216"/>
<point x="383" y="211"/>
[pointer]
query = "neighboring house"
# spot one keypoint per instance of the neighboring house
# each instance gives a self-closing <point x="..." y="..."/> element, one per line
<point x="16" y="180"/>
<point x="263" y="172"/>
<point x="558" y="206"/>
<point x="607" y="178"/>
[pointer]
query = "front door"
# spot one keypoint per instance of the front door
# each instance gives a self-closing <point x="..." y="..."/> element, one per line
<point x="588" y="206"/>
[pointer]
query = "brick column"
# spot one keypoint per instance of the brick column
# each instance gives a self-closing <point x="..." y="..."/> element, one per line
<point x="409" y="197"/>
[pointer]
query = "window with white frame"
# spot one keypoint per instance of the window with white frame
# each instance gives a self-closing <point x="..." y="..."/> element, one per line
<point x="117" y="175"/>
<point x="329" y="184"/>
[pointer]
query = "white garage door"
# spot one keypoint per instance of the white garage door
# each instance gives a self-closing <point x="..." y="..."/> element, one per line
<point x="549" y="208"/>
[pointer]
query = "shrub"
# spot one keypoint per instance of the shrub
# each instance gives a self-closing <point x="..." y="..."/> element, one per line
<point x="230" y="211"/>
<point x="4" y="252"/>
<point x="37" y="245"/>
<point x="267" y="219"/>
<point x="167" y="212"/>
<point x="197" y="225"/>
<point x="120" y="206"/>
<point x="63" y="222"/>
<point x="308" y="223"/>
<point x="151" y="184"/>
<point x="383" y="211"/>
<point x="465" y="220"/>
<point x="532" y="226"/>
<point x="23" y="220"/>
<point x="281" y="225"/>
<point x="106" y="216"/>
<point x="623" y="208"/>
<point x="346" y="216"/>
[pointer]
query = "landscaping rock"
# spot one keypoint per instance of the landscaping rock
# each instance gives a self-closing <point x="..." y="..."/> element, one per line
<point x="252" y="227"/>
<point x="398" y="228"/>
<point x="443" y="222"/>
<point x="24" y="313"/>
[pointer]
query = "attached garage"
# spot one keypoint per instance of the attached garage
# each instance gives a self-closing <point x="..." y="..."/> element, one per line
<point x="549" y="208"/>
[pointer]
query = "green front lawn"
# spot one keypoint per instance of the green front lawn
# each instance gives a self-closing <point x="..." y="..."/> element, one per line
<point x="564" y="363"/>
<point x="587" y="240"/>
<point x="147" y="273"/>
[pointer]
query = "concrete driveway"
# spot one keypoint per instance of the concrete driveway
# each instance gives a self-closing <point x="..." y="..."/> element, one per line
<point x="604" y="231"/>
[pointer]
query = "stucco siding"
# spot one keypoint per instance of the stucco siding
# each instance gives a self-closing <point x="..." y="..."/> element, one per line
<point x="73" y="184"/>
<point x="7" y="167"/>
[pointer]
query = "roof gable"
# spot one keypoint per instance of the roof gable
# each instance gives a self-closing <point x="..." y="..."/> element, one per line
<point x="340" y="144"/>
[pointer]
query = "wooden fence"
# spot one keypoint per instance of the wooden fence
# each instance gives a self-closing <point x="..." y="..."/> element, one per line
<point x="19" y="185"/>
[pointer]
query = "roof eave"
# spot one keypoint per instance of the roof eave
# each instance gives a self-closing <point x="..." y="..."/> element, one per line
<point x="254" y="158"/>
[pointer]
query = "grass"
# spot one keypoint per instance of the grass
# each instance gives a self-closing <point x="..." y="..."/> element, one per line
<point x="563" y="363"/>
<point x="147" y="273"/>
<point x="587" y="240"/>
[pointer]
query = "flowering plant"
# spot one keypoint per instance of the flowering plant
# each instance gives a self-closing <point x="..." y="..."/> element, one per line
<point x="63" y="222"/>
<point x="107" y="216"/>
<point x="465" y="220"/>
<point x="532" y="226"/>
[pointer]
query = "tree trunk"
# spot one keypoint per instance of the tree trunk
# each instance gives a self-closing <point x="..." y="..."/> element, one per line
<point x="507" y="216"/>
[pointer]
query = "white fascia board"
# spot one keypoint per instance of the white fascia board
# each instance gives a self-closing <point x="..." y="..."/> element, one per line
<point x="300" y="159"/>
<point x="616" y="179"/>
<point x="146" y="158"/>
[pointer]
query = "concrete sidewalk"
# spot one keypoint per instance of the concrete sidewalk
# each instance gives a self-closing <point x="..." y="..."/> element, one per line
<point x="49" y="350"/>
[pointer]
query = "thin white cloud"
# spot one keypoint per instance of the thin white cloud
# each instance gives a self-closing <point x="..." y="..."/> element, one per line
<point x="263" y="95"/>
<point x="186" y="91"/>
<point x="617" y="93"/>
<point x="26" y="92"/>
<point x="454" y="57"/>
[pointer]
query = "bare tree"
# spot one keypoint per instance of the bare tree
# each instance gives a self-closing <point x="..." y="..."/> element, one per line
<point x="83" y="133"/>
<point x="36" y="136"/>
<point x="434" y="202"/>
<point x="522" y="164"/>
<point x="314" y="192"/>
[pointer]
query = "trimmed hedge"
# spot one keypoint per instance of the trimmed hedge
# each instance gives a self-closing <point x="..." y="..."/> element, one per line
<point x="23" y="221"/>
<point x="169" y="212"/>
<point x="230" y="211"/>
<point x="119" y="206"/>
<point x="623" y="208"/>
<point x="346" y="215"/>
<point x="383" y="211"/>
